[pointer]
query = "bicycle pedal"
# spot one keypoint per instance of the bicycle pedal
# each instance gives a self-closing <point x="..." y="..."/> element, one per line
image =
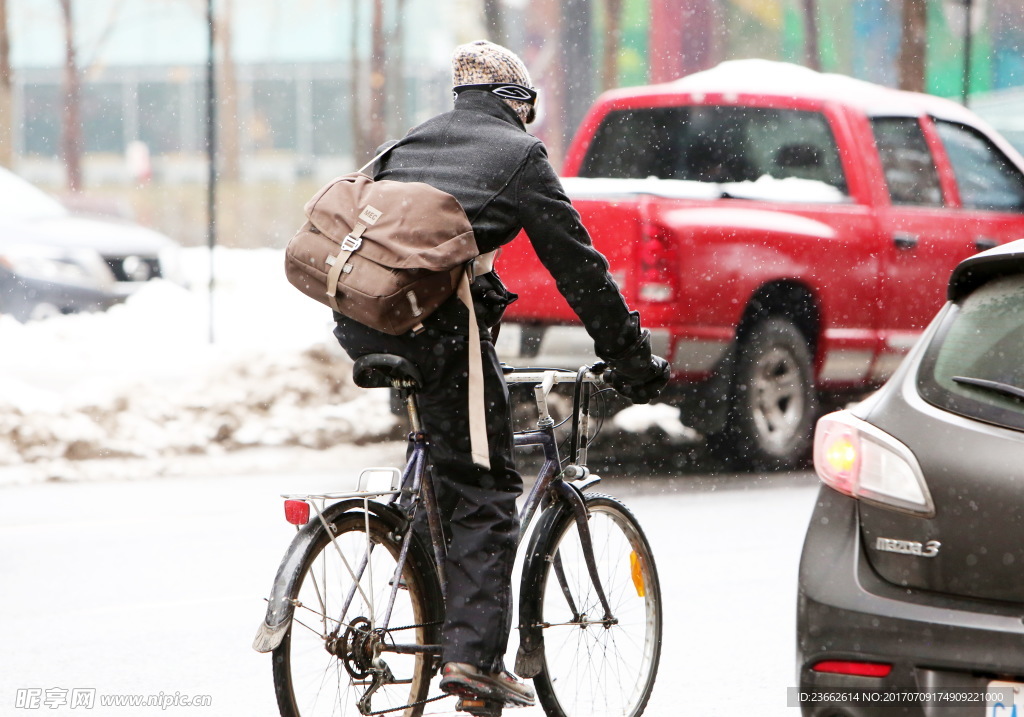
<point x="478" y="707"/>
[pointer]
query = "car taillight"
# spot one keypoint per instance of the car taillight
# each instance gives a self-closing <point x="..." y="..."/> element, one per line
<point x="850" y="667"/>
<point x="296" y="512"/>
<point x="658" y="271"/>
<point x="863" y="461"/>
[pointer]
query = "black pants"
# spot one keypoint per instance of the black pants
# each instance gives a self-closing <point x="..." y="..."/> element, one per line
<point x="478" y="506"/>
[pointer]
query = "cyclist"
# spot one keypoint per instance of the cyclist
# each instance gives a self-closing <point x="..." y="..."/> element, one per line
<point x="481" y="154"/>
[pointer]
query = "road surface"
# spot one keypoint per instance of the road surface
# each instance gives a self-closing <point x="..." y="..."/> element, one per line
<point x="156" y="587"/>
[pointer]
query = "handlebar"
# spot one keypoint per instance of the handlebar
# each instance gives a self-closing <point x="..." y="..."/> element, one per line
<point x="552" y="376"/>
<point x="544" y="379"/>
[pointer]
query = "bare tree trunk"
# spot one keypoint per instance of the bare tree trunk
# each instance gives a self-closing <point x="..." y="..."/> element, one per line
<point x="378" y="78"/>
<point x="227" y="131"/>
<point x="612" y="39"/>
<point x="913" y="43"/>
<point x="356" y="73"/>
<point x="813" y="54"/>
<point x="71" y="135"/>
<point x="6" y="93"/>
<point x="578" y="58"/>
<point x="494" y="20"/>
<point x="546" y="17"/>
<point x="396" y="75"/>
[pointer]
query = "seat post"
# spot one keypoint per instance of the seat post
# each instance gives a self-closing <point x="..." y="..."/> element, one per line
<point x="409" y="395"/>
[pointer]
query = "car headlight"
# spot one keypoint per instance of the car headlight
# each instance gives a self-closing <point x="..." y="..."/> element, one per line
<point x="73" y="266"/>
<point x="863" y="461"/>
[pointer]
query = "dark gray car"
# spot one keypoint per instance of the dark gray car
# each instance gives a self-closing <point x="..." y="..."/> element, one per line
<point x="54" y="262"/>
<point x="911" y="592"/>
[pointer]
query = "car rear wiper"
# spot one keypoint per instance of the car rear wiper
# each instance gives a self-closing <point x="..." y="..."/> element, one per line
<point x="995" y="386"/>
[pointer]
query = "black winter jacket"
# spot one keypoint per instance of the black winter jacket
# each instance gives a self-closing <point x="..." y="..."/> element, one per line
<point x="481" y="154"/>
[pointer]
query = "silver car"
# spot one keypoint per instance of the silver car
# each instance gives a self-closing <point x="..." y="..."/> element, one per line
<point x="55" y="262"/>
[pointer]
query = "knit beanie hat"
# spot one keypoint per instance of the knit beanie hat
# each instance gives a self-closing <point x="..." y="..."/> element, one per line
<point x="483" y="62"/>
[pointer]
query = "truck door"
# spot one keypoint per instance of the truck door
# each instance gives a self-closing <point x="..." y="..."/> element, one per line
<point x="926" y="236"/>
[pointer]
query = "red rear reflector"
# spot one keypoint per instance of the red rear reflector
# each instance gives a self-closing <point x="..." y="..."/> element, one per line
<point x="296" y="512"/>
<point x="861" y="669"/>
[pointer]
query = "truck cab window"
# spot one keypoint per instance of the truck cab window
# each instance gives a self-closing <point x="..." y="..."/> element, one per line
<point x="986" y="177"/>
<point x="716" y="144"/>
<point x="910" y="172"/>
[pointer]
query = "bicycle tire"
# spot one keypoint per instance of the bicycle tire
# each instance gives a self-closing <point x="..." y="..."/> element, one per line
<point x="309" y="679"/>
<point x="595" y="669"/>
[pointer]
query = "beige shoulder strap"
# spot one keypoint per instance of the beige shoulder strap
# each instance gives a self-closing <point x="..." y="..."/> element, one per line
<point x="477" y="409"/>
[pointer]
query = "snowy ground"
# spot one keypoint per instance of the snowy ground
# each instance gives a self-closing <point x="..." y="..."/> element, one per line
<point x="143" y="384"/>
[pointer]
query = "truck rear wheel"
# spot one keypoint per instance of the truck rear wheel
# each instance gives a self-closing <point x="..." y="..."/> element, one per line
<point x="772" y="398"/>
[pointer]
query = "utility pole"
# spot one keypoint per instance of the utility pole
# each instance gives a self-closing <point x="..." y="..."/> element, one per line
<point x="211" y="150"/>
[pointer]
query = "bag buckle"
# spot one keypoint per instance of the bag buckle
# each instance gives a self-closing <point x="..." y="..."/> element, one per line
<point x="351" y="243"/>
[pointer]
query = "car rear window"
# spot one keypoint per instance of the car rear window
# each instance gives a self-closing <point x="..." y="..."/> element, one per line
<point x="715" y="144"/>
<point x="973" y="366"/>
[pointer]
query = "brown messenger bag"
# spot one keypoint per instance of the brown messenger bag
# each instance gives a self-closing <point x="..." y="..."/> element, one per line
<point x="388" y="254"/>
<point x="385" y="254"/>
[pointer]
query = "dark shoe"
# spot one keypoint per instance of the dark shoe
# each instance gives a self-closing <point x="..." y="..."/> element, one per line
<point x="466" y="681"/>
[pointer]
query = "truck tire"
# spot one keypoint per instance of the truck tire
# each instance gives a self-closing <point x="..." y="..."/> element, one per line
<point x="772" y="398"/>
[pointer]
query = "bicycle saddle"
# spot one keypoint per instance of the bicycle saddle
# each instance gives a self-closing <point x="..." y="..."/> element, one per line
<point x="383" y="370"/>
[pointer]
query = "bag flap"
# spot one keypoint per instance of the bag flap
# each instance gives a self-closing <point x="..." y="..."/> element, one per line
<point x="416" y="226"/>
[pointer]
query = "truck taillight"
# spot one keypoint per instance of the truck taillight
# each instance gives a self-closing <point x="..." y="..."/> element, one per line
<point x="658" y="272"/>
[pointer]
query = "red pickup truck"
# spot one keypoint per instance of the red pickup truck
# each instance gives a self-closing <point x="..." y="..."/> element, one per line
<point x="785" y="234"/>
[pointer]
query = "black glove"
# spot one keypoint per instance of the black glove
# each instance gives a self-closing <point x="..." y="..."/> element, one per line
<point x="637" y="374"/>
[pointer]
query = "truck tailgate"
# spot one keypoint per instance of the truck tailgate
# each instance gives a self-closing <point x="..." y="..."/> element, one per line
<point x="615" y="228"/>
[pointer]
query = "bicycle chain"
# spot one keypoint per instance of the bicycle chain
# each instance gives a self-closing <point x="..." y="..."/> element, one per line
<point x="405" y="707"/>
<point x="410" y="627"/>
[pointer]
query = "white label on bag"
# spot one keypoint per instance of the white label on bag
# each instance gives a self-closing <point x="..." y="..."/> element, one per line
<point x="416" y="310"/>
<point x="370" y="215"/>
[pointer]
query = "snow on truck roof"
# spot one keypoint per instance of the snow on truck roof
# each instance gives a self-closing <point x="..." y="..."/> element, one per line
<point x="782" y="79"/>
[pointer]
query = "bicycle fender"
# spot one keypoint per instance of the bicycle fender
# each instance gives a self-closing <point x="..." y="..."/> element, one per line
<point x="530" y="656"/>
<point x="280" y="609"/>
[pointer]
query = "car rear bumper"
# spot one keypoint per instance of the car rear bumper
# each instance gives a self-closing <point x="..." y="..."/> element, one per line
<point x="943" y="651"/>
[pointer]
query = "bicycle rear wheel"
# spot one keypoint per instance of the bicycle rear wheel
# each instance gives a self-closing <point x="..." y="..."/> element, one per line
<point x="589" y="667"/>
<point x="325" y="663"/>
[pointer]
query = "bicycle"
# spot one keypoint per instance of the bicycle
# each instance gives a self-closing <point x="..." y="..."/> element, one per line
<point x="354" y="615"/>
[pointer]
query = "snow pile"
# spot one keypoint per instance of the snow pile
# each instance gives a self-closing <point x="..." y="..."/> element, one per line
<point x="142" y="380"/>
<point x="304" y="399"/>
<point x="660" y="417"/>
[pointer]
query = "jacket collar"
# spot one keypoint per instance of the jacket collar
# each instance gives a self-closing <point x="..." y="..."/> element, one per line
<point x="481" y="101"/>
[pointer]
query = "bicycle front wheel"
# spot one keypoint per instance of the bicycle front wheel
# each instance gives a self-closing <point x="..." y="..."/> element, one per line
<point x="338" y="651"/>
<point x="593" y="666"/>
